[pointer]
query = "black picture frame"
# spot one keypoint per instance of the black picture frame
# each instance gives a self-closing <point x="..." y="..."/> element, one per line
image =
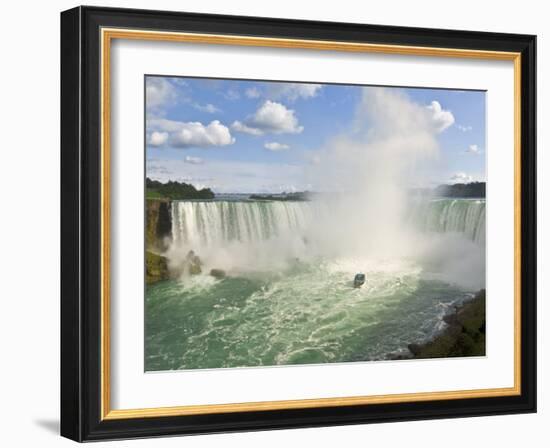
<point x="81" y="224"/>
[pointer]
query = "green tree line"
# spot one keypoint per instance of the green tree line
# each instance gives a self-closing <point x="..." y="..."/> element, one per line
<point x="175" y="190"/>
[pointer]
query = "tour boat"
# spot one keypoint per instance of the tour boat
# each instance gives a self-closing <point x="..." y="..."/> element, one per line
<point x="358" y="280"/>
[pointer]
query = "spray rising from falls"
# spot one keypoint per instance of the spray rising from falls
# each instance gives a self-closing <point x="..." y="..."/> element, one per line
<point x="288" y="296"/>
<point x="367" y="216"/>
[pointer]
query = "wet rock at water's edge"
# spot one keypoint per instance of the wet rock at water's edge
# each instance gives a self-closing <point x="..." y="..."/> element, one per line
<point x="217" y="273"/>
<point x="156" y="267"/>
<point x="194" y="263"/>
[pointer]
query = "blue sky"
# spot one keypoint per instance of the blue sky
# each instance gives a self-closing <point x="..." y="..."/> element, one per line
<point x="249" y="136"/>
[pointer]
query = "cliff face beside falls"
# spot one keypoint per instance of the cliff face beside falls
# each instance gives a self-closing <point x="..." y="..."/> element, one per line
<point x="158" y="233"/>
<point x="158" y="224"/>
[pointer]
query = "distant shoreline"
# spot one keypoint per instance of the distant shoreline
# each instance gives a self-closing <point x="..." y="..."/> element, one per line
<point x="183" y="191"/>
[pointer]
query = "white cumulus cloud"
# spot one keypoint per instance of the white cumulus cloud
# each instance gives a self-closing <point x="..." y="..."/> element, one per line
<point x="442" y="119"/>
<point x="252" y="92"/>
<point x="241" y="127"/>
<point x="158" y="138"/>
<point x="178" y="134"/>
<point x="196" y="134"/>
<point x="271" y="117"/>
<point x="159" y="92"/>
<point x="293" y="91"/>
<point x="193" y="160"/>
<point x="473" y="149"/>
<point x="275" y="146"/>
<point x="231" y="95"/>
<point x="209" y="108"/>
<point x="461" y="177"/>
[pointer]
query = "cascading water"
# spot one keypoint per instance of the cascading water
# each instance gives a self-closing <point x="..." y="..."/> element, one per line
<point x="465" y="216"/>
<point x="211" y="224"/>
<point x="299" y="306"/>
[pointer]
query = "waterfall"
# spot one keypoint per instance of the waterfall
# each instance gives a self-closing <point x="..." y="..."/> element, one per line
<point x="214" y="223"/>
<point x="465" y="216"/>
<point x="210" y="224"/>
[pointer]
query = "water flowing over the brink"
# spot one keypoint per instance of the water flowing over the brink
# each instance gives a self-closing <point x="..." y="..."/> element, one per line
<point x="466" y="216"/>
<point x="212" y="223"/>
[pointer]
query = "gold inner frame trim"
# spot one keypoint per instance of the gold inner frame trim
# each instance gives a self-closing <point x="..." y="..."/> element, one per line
<point x="107" y="35"/>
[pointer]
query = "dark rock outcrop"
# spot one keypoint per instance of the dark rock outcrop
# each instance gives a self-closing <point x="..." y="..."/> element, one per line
<point x="217" y="273"/>
<point x="464" y="335"/>
<point x="193" y="263"/>
<point x="156" y="268"/>
<point x="158" y="225"/>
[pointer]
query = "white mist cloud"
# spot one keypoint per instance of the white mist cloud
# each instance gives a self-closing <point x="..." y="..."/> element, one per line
<point x="271" y="117"/>
<point x="314" y="159"/>
<point x="454" y="258"/>
<point x="394" y="145"/>
<point x="275" y="146"/>
<point x="442" y="119"/>
<point x="394" y="139"/>
<point x="464" y="128"/>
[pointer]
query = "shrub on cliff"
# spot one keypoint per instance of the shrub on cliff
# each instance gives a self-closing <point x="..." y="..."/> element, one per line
<point x="470" y="190"/>
<point x="156" y="267"/>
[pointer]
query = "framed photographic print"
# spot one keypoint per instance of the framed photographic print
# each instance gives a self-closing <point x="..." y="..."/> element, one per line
<point x="273" y="223"/>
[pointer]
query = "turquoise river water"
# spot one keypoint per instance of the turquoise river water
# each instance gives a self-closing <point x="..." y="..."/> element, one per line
<point x="299" y="309"/>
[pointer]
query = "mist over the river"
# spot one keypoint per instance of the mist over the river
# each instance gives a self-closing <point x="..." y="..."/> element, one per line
<point x="365" y="220"/>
